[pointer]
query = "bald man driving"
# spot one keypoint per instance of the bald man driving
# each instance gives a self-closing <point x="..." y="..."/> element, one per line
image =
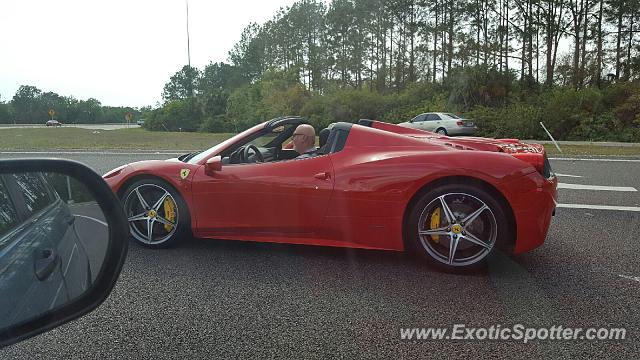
<point x="304" y="140"/>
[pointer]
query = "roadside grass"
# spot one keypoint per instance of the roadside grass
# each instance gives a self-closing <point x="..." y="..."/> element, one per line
<point x="45" y="139"/>
<point x="593" y="150"/>
<point x="121" y="139"/>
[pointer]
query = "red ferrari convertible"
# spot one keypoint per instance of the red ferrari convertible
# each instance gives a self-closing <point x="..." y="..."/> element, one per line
<point x="371" y="185"/>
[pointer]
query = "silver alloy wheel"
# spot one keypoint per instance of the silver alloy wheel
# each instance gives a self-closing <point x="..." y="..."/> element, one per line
<point x="442" y="131"/>
<point x="146" y="223"/>
<point x="466" y="233"/>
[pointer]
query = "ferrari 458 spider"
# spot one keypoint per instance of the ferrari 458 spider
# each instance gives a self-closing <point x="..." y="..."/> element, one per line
<point x="371" y="185"/>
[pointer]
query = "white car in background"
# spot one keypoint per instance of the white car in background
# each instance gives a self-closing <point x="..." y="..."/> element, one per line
<point x="442" y="123"/>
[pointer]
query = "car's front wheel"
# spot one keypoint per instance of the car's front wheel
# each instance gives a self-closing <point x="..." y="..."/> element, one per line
<point x="458" y="226"/>
<point x="156" y="212"/>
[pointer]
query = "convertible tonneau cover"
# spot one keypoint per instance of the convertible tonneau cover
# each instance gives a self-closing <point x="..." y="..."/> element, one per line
<point x="510" y="146"/>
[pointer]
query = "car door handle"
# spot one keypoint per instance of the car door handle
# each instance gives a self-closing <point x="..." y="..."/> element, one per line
<point x="45" y="262"/>
<point x="322" y="176"/>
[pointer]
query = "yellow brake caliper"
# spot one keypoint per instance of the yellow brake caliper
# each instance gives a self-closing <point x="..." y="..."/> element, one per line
<point x="435" y="223"/>
<point x="169" y="213"/>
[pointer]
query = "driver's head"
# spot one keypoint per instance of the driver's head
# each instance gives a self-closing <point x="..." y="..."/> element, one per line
<point x="304" y="138"/>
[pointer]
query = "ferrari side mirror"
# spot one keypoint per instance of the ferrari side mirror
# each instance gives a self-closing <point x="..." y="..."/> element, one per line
<point x="212" y="165"/>
<point x="63" y="241"/>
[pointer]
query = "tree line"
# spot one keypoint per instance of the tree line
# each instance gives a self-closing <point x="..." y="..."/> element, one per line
<point x="388" y="44"/>
<point x="501" y="62"/>
<point x="31" y="105"/>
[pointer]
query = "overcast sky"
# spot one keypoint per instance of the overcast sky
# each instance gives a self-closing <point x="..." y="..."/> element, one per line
<point x="120" y="52"/>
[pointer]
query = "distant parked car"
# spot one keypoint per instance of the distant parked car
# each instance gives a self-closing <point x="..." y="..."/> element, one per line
<point x="140" y="122"/>
<point x="442" y="123"/>
<point x="53" y="123"/>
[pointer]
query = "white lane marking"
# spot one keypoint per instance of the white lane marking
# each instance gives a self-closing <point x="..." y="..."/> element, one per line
<point x="90" y="218"/>
<point x="566" y="175"/>
<point x="88" y="203"/>
<point x="595" y="187"/>
<point x="55" y="298"/>
<point x="599" y="207"/>
<point x="54" y="152"/>
<point x="634" y="278"/>
<point x="606" y="160"/>
<point x="73" y="251"/>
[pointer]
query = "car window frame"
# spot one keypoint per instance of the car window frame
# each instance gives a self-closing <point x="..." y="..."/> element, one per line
<point x="11" y="193"/>
<point x="437" y="117"/>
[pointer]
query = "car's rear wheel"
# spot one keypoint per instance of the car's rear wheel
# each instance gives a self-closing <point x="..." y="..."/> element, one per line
<point x="457" y="227"/>
<point x="156" y="212"/>
<point x="442" y="131"/>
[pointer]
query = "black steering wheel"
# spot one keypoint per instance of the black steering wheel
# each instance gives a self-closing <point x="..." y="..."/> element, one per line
<point x="258" y="155"/>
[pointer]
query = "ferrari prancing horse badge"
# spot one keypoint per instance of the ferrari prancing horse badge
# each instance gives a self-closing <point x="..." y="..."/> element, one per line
<point x="184" y="173"/>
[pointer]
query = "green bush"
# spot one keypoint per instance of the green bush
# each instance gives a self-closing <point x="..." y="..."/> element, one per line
<point x="565" y="109"/>
<point x="474" y="86"/>
<point x="515" y="121"/>
<point x="316" y="109"/>
<point x="177" y="115"/>
<point x="353" y="104"/>
<point x="628" y="113"/>
<point x="217" y="124"/>
<point x="6" y="114"/>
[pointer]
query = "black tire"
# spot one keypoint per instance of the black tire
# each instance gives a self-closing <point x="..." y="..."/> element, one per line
<point x="163" y="235"/>
<point x="442" y="131"/>
<point x="491" y="227"/>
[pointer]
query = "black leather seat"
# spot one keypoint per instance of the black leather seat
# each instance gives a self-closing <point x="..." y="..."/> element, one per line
<point x="323" y="136"/>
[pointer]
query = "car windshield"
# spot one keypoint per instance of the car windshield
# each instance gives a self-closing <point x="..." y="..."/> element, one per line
<point x="198" y="157"/>
<point x="337" y="178"/>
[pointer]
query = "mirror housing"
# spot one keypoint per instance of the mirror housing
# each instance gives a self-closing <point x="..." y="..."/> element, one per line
<point x="212" y="165"/>
<point x="115" y="250"/>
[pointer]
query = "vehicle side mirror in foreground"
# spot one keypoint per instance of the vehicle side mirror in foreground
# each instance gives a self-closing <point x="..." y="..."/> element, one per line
<point x="63" y="241"/>
<point x="212" y="165"/>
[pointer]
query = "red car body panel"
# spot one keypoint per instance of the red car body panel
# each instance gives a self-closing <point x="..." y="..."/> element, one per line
<point x="357" y="197"/>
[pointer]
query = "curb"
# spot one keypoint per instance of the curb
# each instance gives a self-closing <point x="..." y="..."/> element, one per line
<point x="588" y="143"/>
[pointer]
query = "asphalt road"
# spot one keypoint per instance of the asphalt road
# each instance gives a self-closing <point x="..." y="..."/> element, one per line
<point x="223" y="299"/>
<point x="93" y="231"/>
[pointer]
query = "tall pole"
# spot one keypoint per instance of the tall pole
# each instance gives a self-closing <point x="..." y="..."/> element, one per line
<point x="188" y="46"/>
<point x="189" y="50"/>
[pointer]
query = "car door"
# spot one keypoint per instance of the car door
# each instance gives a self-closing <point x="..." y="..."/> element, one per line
<point x="26" y="253"/>
<point x="284" y="198"/>
<point x="60" y="226"/>
<point x="432" y="122"/>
